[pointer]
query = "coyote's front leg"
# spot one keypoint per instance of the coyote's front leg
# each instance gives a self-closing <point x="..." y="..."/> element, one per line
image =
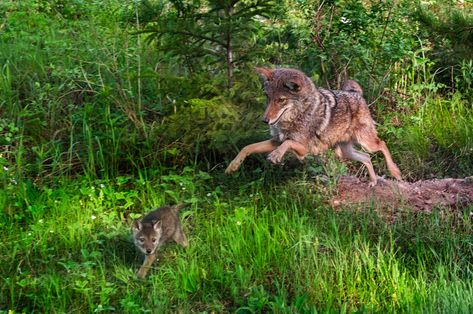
<point x="149" y="259"/>
<point x="297" y="148"/>
<point x="260" y="147"/>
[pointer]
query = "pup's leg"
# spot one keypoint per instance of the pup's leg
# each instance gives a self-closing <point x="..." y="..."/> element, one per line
<point x="347" y="151"/>
<point x="180" y="238"/>
<point x="149" y="259"/>
<point x="374" y="144"/>
<point x="297" y="148"/>
<point x="260" y="147"/>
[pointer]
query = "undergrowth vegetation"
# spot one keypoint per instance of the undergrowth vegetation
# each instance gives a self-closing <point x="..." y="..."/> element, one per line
<point x="111" y="108"/>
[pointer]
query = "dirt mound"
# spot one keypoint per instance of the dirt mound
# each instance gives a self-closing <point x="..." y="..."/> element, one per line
<point x="420" y="195"/>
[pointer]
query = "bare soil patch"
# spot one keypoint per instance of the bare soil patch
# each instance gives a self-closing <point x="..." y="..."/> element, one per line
<point x="421" y="195"/>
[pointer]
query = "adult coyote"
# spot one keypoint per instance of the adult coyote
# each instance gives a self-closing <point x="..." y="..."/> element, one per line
<point x="308" y="120"/>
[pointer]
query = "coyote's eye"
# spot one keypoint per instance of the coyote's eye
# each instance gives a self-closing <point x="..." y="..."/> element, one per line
<point x="142" y="239"/>
<point x="153" y="239"/>
<point x="281" y="99"/>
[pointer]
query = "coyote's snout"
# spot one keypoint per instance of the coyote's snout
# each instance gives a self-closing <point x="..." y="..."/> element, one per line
<point x="308" y="120"/>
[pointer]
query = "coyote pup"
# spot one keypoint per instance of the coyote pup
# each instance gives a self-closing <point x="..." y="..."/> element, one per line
<point x="308" y="120"/>
<point x="155" y="229"/>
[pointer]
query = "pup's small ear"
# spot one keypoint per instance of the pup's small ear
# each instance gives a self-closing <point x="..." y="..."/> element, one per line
<point x="292" y="86"/>
<point x="178" y="207"/>
<point x="266" y="74"/>
<point x="137" y="225"/>
<point x="157" y="225"/>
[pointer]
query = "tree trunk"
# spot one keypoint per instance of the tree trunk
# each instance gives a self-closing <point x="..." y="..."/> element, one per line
<point x="229" y="46"/>
<point x="229" y="62"/>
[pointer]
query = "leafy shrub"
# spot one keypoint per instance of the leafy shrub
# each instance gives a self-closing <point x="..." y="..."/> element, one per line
<point x="201" y="126"/>
<point x="448" y="28"/>
<point x="336" y="40"/>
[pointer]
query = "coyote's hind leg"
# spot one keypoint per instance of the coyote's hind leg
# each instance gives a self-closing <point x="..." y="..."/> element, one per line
<point x="347" y="151"/>
<point x="374" y="144"/>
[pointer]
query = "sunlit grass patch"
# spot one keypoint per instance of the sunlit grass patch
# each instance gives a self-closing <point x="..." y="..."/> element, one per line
<point x="256" y="249"/>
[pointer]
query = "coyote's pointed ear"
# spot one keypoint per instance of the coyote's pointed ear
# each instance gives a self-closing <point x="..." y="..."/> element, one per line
<point x="157" y="225"/>
<point x="178" y="207"/>
<point x="137" y="226"/>
<point x="292" y="86"/>
<point x="266" y="74"/>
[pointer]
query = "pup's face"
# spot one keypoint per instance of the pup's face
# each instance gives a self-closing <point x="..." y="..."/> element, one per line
<point x="146" y="236"/>
<point x="283" y="88"/>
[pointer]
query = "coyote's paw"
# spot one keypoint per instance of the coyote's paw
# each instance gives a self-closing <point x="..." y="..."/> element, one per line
<point x="275" y="157"/>
<point x="233" y="166"/>
<point x="396" y="173"/>
<point x="373" y="182"/>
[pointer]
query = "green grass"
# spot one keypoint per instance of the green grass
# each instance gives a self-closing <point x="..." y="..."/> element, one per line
<point x="435" y="140"/>
<point x="260" y="247"/>
<point x="431" y="131"/>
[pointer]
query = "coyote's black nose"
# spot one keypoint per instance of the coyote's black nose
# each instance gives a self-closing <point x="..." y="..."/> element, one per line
<point x="265" y="119"/>
<point x="148" y="251"/>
